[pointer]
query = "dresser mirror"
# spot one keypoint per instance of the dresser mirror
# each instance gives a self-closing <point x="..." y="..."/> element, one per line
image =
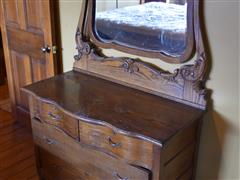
<point x="165" y="30"/>
<point x="157" y="27"/>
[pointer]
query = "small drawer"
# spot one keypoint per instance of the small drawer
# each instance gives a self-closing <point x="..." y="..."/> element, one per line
<point x="129" y="149"/>
<point x="94" y="165"/>
<point x="34" y="107"/>
<point x="50" y="114"/>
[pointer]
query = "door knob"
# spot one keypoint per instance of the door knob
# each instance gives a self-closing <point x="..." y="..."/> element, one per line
<point x="46" y="49"/>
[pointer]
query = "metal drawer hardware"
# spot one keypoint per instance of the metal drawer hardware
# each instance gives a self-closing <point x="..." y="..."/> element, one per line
<point x="53" y="116"/>
<point x="37" y="119"/>
<point x="113" y="144"/>
<point x="119" y="177"/>
<point x="50" y="141"/>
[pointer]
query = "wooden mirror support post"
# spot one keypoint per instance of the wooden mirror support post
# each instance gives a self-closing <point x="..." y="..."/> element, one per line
<point x="119" y="118"/>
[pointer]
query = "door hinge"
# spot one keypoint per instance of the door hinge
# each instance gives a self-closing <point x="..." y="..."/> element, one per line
<point x="54" y="49"/>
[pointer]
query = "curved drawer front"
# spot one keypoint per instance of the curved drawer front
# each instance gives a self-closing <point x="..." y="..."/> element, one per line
<point x="34" y="107"/>
<point x="52" y="115"/>
<point x="94" y="164"/>
<point x="131" y="150"/>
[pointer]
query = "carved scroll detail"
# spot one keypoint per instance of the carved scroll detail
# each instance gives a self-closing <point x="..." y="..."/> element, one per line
<point x="194" y="71"/>
<point x="83" y="47"/>
<point x="184" y="84"/>
<point x="130" y="66"/>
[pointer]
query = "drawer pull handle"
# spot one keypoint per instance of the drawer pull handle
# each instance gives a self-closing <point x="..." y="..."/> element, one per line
<point x="37" y="119"/>
<point x="112" y="143"/>
<point x="119" y="177"/>
<point x="50" y="141"/>
<point x="53" y="116"/>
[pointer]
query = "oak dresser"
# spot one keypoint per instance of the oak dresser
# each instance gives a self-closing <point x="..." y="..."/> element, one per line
<point x="88" y="128"/>
<point x="122" y="118"/>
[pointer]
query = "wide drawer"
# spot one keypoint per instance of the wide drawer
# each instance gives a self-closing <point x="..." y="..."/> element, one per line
<point x="96" y="164"/>
<point x="48" y="112"/>
<point x="54" y="168"/>
<point x="132" y="150"/>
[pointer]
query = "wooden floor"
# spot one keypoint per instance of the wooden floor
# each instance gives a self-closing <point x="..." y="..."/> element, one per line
<point x="4" y="98"/>
<point x="17" y="160"/>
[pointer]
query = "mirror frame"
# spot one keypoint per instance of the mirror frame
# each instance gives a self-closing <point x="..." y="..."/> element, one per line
<point x="185" y="85"/>
<point x="185" y="56"/>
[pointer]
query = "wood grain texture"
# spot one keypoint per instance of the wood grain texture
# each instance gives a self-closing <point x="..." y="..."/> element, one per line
<point x="180" y="164"/>
<point x="17" y="160"/>
<point x="182" y="140"/>
<point x="30" y="42"/>
<point x="4" y="93"/>
<point x="119" y="129"/>
<point x="51" y="114"/>
<point x="26" y="28"/>
<point x="131" y="150"/>
<point x="126" y="111"/>
<point x="96" y="164"/>
<point x="2" y="64"/>
<point x="53" y="167"/>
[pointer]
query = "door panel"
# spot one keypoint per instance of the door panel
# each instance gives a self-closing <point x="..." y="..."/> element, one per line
<point x="34" y="23"/>
<point x="22" y="76"/>
<point x="27" y="26"/>
<point x="39" y="72"/>
<point x="11" y="13"/>
<point x="26" y="42"/>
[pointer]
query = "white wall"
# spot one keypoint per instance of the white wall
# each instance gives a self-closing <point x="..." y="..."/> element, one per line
<point x="219" y="147"/>
<point x="69" y="14"/>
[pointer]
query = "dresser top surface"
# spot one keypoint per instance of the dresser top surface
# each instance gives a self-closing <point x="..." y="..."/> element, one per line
<point x="124" y="108"/>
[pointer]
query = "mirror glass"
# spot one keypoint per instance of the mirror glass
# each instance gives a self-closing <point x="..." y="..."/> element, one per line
<point x="152" y="25"/>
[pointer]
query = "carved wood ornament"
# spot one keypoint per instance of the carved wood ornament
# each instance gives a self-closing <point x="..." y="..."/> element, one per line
<point x="186" y="84"/>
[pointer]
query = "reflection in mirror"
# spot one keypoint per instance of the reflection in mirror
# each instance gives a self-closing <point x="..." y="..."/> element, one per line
<point x="152" y="25"/>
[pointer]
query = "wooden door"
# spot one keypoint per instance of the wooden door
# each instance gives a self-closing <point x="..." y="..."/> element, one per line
<point x="2" y="64"/>
<point x="27" y="28"/>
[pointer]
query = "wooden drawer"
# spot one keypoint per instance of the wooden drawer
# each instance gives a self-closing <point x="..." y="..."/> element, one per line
<point x="129" y="149"/>
<point x="95" y="164"/>
<point x="53" y="168"/>
<point x="49" y="113"/>
<point x="34" y="107"/>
